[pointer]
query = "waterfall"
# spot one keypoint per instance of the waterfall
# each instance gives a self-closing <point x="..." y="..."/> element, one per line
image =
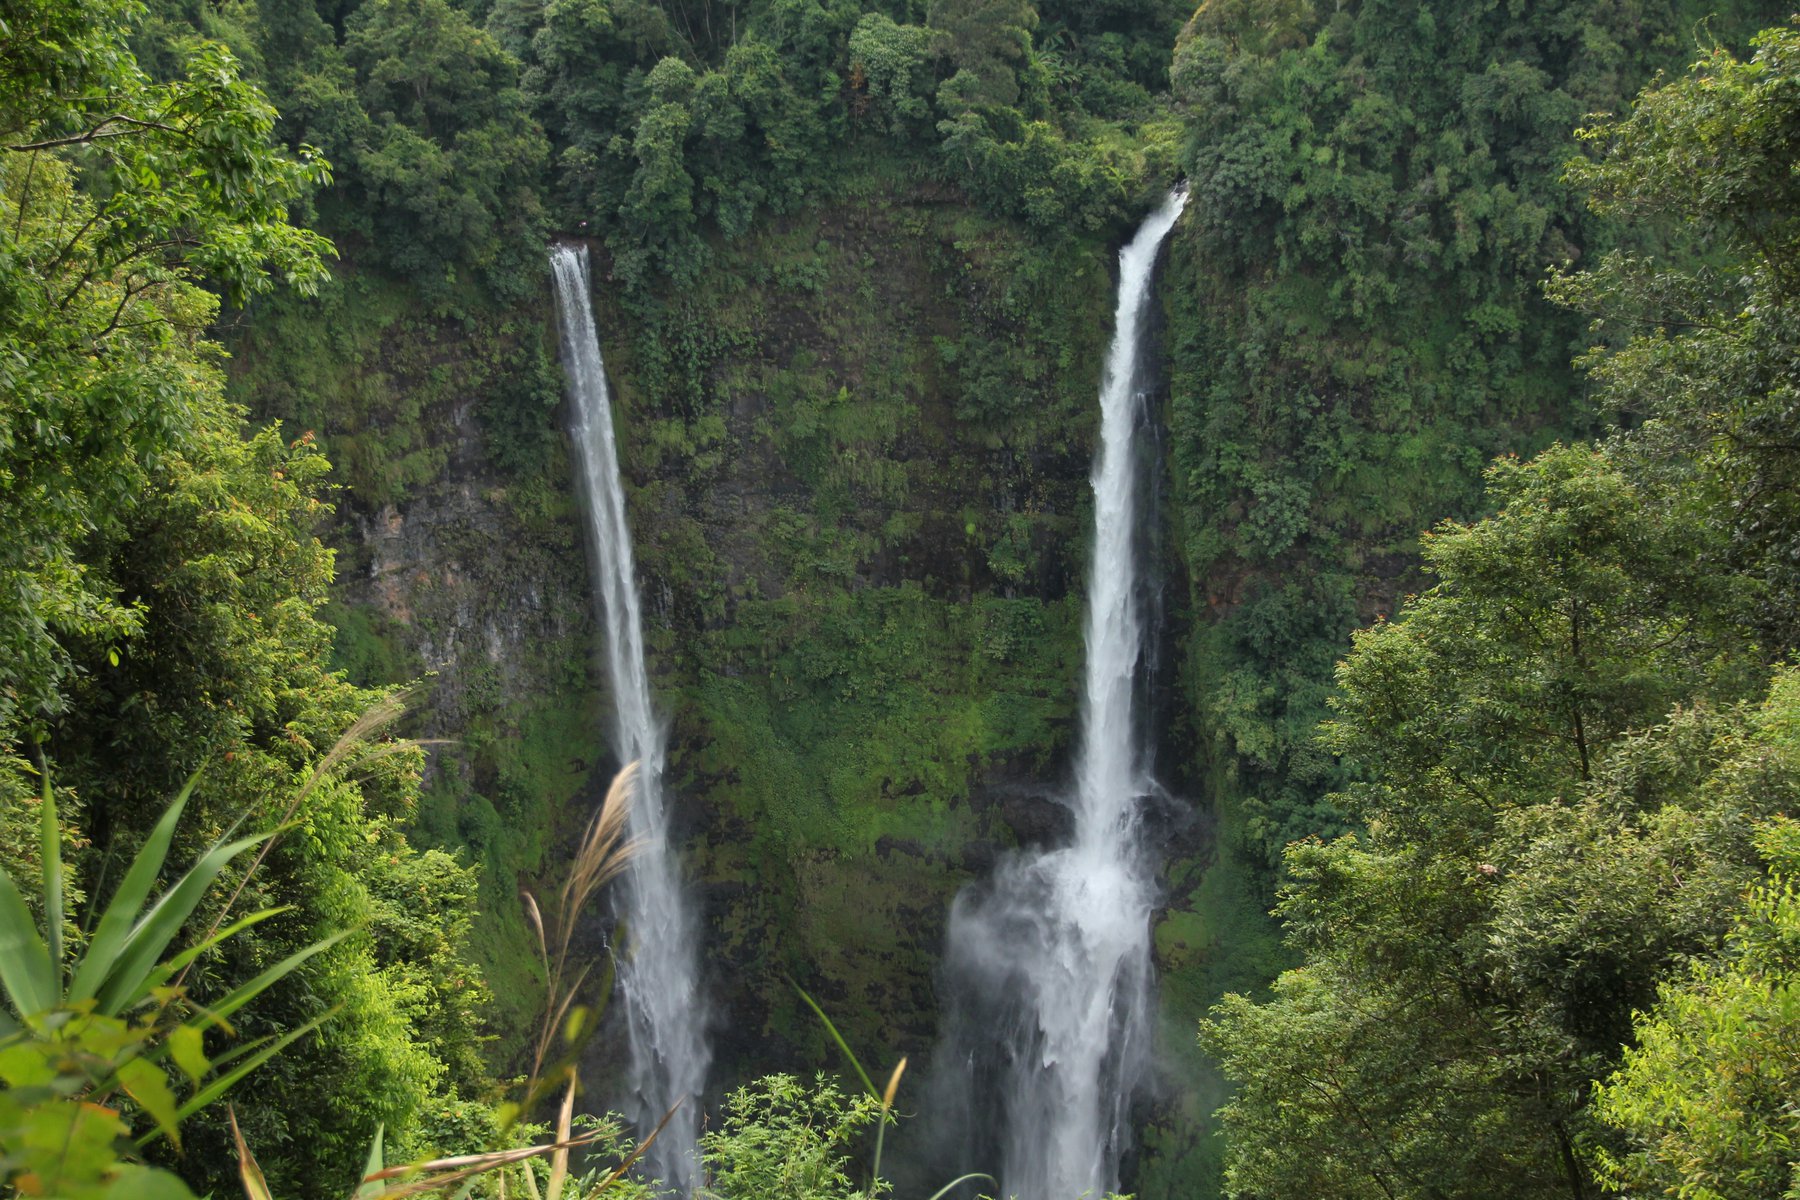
<point x="1049" y="961"/>
<point x="658" y="972"/>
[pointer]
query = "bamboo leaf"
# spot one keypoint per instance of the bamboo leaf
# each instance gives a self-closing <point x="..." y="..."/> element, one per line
<point x="945" y="1190"/>
<point x="224" y="1083"/>
<point x="225" y="1058"/>
<point x="837" y="1037"/>
<point x="372" y="1166"/>
<point x="170" y="968"/>
<point x="246" y="992"/>
<point x="255" y="1186"/>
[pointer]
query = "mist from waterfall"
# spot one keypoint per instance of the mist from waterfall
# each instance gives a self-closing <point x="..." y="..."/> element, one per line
<point x="658" y="968"/>
<point x="1048" y="962"/>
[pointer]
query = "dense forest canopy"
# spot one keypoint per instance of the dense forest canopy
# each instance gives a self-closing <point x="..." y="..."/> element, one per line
<point x="280" y="437"/>
<point x="1575" y="792"/>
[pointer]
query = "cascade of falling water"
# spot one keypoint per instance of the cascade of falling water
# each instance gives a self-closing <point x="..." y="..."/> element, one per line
<point x="1050" y="960"/>
<point x="658" y="974"/>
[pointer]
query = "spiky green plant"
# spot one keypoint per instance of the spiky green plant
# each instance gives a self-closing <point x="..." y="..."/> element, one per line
<point x="79" y="1027"/>
<point x="78" y="1030"/>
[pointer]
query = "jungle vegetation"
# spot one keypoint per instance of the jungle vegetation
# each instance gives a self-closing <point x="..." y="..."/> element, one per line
<point x="1479" y="538"/>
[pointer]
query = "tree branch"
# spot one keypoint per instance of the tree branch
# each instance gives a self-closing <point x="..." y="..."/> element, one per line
<point x="99" y="132"/>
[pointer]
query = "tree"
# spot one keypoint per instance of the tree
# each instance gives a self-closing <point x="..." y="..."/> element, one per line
<point x="586" y="57"/>
<point x="1707" y="1092"/>
<point x="986" y="42"/>
<point x="160" y="583"/>
<point x="229" y="673"/>
<point x="450" y="146"/>
<point x="1567" y="619"/>
<point x="889" y="61"/>
<point x="1470" y="960"/>
<point x="1357" y="315"/>
<point x="119" y="196"/>
<point x="1701" y="338"/>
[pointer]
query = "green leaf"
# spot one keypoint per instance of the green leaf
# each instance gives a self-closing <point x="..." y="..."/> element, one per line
<point x="187" y="1047"/>
<point x="255" y="1186"/>
<point x="246" y="992"/>
<point x="960" y="1179"/>
<point x="868" y="1083"/>
<point x="116" y="923"/>
<point x="169" y="969"/>
<point x="50" y="832"/>
<point x="135" y="1182"/>
<point x="573" y="1024"/>
<point x="374" y="1163"/>
<point x="24" y="960"/>
<point x="66" y="1146"/>
<point x="226" y="1057"/>
<point x="144" y="1082"/>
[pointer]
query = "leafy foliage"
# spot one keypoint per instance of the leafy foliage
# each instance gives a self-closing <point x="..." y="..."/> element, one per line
<point x="1471" y="962"/>
<point x="448" y="147"/>
<point x="783" y="1138"/>
<point x="120" y="195"/>
<point x="883" y="620"/>
<point x="1697" y="338"/>
<point x="1357" y="323"/>
<point x="1572" y="767"/>
<point x="113" y="1019"/>
<point x="1707" y="1090"/>
<point x="54" y="1138"/>
<point x="163" y="577"/>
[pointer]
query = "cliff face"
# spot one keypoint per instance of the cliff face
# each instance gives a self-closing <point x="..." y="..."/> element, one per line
<point x="857" y="464"/>
<point x="863" y="517"/>
<point x="860" y="520"/>
<point x="459" y="570"/>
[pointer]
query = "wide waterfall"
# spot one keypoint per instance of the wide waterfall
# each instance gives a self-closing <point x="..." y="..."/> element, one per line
<point x="1048" y="962"/>
<point x="658" y="971"/>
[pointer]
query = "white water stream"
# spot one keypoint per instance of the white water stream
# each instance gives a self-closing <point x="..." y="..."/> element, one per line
<point x="1053" y="954"/>
<point x="658" y="969"/>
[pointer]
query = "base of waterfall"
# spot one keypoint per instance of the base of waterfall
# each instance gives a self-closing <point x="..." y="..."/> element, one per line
<point x="1051" y="967"/>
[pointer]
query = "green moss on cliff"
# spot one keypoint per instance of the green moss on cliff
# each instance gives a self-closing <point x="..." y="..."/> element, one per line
<point x="868" y="714"/>
<point x="459" y="560"/>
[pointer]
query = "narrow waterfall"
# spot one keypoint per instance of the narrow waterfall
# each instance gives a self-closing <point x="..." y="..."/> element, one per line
<point x="658" y="970"/>
<point x="1049" y="961"/>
